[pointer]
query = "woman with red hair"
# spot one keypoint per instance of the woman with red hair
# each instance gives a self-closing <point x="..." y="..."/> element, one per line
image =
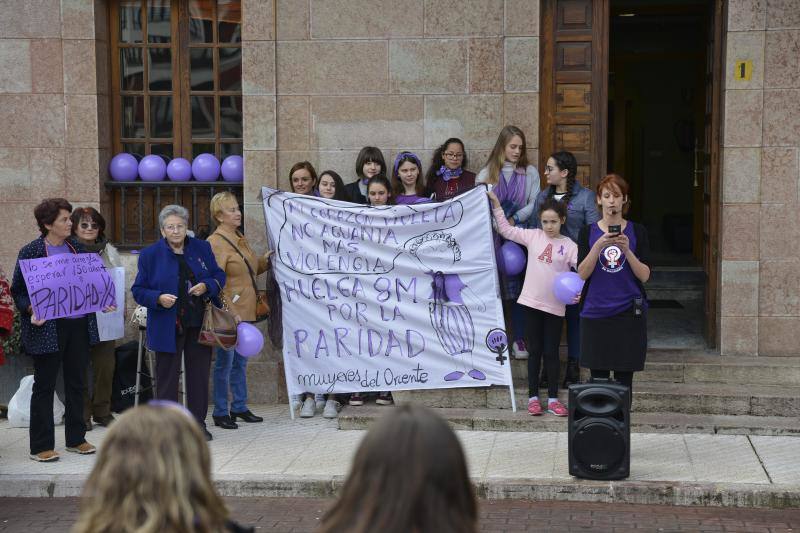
<point x="613" y="259"/>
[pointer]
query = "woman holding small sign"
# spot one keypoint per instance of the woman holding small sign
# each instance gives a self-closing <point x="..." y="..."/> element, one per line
<point x="175" y="275"/>
<point x="59" y="342"/>
<point x="89" y="226"/>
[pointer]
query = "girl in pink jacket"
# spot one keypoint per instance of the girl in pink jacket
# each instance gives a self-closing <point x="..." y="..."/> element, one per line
<point x="549" y="254"/>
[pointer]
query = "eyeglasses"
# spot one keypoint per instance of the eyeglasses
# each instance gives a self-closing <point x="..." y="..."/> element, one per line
<point x="87" y="225"/>
<point x="175" y="228"/>
<point x="453" y="155"/>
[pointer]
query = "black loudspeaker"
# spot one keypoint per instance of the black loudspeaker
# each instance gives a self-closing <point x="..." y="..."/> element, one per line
<point x="599" y="430"/>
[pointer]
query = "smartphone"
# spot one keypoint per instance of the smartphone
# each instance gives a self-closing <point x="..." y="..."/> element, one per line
<point x="615" y="228"/>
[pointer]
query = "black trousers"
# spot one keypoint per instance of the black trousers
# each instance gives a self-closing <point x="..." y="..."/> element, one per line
<point x="542" y="335"/>
<point x="198" y="368"/>
<point x="73" y="355"/>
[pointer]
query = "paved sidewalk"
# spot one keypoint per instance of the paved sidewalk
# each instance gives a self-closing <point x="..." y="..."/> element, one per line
<point x="310" y="457"/>
<point x="303" y="515"/>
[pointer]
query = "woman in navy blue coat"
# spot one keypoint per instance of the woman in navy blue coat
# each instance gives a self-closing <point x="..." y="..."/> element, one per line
<point x="176" y="275"/>
<point x="60" y="342"/>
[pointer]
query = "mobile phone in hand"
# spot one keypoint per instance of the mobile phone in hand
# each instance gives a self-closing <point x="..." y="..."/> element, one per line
<point x="615" y="229"/>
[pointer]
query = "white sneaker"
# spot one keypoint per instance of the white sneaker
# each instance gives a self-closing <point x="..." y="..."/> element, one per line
<point x="295" y="402"/>
<point x="319" y="401"/>
<point x="519" y="350"/>
<point x="309" y="408"/>
<point x="331" y="409"/>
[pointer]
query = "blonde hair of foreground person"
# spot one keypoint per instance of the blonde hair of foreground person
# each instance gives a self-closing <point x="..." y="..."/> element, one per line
<point x="409" y="475"/>
<point x="152" y="475"/>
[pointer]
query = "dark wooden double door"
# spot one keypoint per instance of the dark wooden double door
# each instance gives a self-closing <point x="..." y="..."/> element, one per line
<point x="574" y="42"/>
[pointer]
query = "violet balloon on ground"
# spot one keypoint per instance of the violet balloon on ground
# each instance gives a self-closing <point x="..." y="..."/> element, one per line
<point x="152" y="168"/>
<point x="513" y="258"/>
<point x="566" y="286"/>
<point x="233" y="168"/>
<point x="179" y="169"/>
<point x="249" y="339"/>
<point x="123" y="167"/>
<point x="205" y="167"/>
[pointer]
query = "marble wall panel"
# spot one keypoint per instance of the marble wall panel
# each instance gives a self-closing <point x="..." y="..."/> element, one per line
<point x="428" y="66"/>
<point x="327" y="67"/>
<point x="346" y="19"/>
<point x="475" y="119"/>
<point x="741" y="169"/>
<point x="355" y="122"/>
<point x="15" y="65"/>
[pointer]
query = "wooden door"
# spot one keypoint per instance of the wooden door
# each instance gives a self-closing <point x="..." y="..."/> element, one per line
<point x="574" y="84"/>
<point x="711" y="167"/>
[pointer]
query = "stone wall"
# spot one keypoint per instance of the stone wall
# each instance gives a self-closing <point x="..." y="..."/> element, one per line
<point x="322" y="79"/>
<point x="54" y="111"/>
<point x="760" y="246"/>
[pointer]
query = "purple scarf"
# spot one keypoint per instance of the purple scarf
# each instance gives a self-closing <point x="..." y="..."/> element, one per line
<point x="511" y="193"/>
<point x="449" y="174"/>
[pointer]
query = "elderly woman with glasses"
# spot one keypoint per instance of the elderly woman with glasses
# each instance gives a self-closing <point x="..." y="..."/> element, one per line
<point x="175" y="275"/>
<point x="89" y="226"/>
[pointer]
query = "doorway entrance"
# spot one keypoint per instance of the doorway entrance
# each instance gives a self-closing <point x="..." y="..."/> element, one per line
<point x="633" y="87"/>
<point x="656" y="112"/>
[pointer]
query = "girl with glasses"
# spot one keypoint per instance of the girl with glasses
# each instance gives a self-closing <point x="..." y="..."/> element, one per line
<point x="447" y="176"/>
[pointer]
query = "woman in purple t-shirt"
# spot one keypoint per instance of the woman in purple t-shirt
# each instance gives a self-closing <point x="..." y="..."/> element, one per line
<point x="613" y="259"/>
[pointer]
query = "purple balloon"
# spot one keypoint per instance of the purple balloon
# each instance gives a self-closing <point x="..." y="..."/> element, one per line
<point x="513" y="258"/>
<point x="249" y="339"/>
<point x="123" y="167"/>
<point x="205" y="167"/>
<point x="233" y="168"/>
<point x="566" y="286"/>
<point x="152" y="168"/>
<point x="179" y="169"/>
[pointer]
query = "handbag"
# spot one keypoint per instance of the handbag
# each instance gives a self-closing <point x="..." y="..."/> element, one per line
<point x="219" y="325"/>
<point x="262" y="306"/>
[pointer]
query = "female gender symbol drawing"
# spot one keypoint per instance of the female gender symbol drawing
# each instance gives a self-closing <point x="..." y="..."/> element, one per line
<point x="450" y="317"/>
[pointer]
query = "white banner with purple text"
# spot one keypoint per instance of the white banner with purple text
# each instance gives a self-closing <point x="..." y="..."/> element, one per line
<point x="386" y="298"/>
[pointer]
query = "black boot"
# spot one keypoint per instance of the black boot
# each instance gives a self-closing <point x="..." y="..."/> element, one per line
<point x="572" y="374"/>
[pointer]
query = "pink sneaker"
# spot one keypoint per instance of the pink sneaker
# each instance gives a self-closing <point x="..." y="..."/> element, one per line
<point x="534" y="407"/>
<point x="557" y="408"/>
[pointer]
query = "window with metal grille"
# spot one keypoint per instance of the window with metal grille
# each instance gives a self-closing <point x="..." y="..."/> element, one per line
<point x="176" y="85"/>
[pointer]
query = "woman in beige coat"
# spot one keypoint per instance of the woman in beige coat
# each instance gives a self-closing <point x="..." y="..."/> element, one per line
<point x="241" y="266"/>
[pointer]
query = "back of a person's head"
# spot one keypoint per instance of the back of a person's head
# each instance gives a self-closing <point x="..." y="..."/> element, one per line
<point x="152" y="475"/>
<point x="408" y="475"/>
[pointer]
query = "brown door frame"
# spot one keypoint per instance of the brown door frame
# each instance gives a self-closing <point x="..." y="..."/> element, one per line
<point x="554" y="34"/>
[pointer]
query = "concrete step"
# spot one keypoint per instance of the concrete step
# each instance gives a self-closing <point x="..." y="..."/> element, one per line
<point x="670" y="366"/>
<point x="507" y="420"/>
<point x="653" y="397"/>
<point x="688" y="276"/>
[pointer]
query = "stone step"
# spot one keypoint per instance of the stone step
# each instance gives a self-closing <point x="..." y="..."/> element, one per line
<point x="507" y="420"/>
<point x="677" y="276"/>
<point x="698" y="367"/>
<point x="654" y="397"/>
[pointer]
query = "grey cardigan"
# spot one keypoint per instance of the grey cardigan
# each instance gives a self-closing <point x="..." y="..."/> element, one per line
<point x="532" y="186"/>
<point x="581" y="211"/>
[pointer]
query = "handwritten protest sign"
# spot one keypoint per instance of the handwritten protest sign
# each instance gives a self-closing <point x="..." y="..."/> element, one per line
<point x="111" y="326"/>
<point x="385" y="298"/>
<point x="67" y="285"/>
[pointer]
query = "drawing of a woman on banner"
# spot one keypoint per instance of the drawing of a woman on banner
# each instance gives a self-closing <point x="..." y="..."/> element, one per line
<point x="438" y="252"/>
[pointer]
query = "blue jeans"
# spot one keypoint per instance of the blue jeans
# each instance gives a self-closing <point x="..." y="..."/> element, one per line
<point x="230" y="370"/>
<point x="573" y="332"/>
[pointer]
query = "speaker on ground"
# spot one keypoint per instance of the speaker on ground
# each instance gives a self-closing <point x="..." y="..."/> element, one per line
<point x="599" y="430"/>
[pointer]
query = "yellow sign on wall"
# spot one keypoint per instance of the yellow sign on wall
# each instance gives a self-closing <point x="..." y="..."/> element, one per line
<point x="743" y="70"/>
